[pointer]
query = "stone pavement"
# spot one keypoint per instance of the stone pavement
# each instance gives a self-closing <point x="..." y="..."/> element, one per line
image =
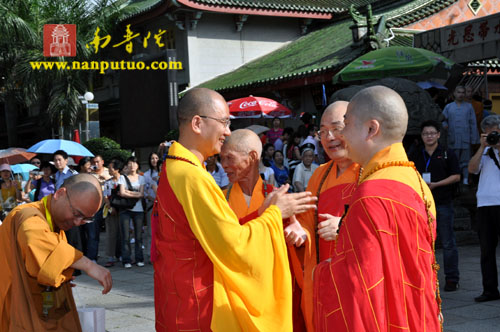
<point x="130" y="305"/>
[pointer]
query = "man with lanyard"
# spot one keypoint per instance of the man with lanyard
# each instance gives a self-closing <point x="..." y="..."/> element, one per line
<point x="440" y="170"/>
<point x="37" y="262"/>
<point x="487" y="161"/>
<point x="246" y="193"/>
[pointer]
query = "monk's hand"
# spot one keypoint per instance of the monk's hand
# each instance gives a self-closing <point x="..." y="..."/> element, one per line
<point x="102" y="275"/>
<point x="328" y="227"/>
<point x="294" y="203"/>
<point x="294" y="233"/>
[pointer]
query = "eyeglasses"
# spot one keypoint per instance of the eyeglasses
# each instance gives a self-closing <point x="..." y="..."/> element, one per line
<point x="323" y="133"/>
<point x="77" y="214"/>
<point x="225" y="122"/>
<point x="430" y="134"/>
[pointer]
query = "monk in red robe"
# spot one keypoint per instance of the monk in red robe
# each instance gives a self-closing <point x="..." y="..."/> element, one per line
<point x="333" y="183"/>
<point x="240" y="156"/>
<point x="211" y="273"/>
<point x="383" y="274"/>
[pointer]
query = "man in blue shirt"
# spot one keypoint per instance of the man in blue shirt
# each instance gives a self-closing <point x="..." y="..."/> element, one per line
<point x="460" y="120"/>
<point x="60" y="158"/>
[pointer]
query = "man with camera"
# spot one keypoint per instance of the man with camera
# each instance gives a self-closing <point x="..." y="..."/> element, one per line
<point x="486" y="160"/>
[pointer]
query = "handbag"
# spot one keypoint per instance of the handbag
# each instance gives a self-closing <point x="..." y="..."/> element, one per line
<point x="120" y="202"/>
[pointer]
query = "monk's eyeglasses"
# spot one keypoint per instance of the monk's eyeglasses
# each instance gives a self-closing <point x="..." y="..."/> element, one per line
<point x="323" y="133"/>
<point x="225" y="122"/>
<point x="77" y="214"/>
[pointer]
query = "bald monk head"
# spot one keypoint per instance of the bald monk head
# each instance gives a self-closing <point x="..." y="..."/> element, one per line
<point x="203" y="117"/>
<point x="332" y="123"/>
<point x="76" y="202"/>
<point x="376" y="118"/>
<point x="240" y="157"/>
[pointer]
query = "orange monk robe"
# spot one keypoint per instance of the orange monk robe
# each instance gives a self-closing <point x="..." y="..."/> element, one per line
<point x="211" y="273"/>
<point x="244" y="212"/>
<point x="380" y="277"/>
<point x="47" y="257"/>
<point x="334" y="195"/>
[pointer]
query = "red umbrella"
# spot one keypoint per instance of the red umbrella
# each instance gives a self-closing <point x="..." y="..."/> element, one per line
<point x="14" y="156"/>
<point x="256" y="107"/>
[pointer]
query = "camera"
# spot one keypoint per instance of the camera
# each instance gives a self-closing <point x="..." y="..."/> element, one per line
<point x="93" y="167"/>
<point x="36" y="173"/>
<point x="493" y="138"/>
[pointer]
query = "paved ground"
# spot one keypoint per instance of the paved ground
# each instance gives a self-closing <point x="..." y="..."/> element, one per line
<point x="130" y="307"/>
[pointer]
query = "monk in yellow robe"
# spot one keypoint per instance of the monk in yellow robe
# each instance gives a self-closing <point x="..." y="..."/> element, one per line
<point x="240" y="157"/>
<point x="383" y="273"/>
<point x="333" y="183"/>
<point x="37" y="262"/>
<point x="211" y="273"/>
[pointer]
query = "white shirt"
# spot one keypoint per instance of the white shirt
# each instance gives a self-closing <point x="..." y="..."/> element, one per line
<point x="303" y="174"/>
<point x="220" y="176"/>
<point x="489" y="181"/>
<point x="135" y="186"/>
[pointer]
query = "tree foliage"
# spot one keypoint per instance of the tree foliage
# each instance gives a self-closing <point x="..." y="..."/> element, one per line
<point x="107" y="148"/>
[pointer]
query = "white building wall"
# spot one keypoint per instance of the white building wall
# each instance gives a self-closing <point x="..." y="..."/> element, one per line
<point x="215" y="47"/>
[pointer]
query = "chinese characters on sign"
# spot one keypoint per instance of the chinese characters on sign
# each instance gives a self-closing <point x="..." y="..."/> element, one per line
<point x="470" y="33"/>
<point x="101" y="42"/>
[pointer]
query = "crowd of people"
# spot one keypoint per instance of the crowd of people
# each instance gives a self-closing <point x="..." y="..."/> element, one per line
<point x="330" y="227"/>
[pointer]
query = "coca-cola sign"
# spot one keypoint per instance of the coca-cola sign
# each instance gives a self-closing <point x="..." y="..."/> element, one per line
<point x="253" y="103"/>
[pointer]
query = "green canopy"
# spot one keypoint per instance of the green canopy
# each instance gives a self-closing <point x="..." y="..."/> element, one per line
<point x="396" y="61"/>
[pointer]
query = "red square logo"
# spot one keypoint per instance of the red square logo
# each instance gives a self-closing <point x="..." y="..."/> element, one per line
<point x="59" y="40"/>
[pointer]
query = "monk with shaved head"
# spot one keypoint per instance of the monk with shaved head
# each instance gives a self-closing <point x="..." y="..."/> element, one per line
<point x="333" y="183"/>
<point x="38" y="262"/>
<point x="211" y="272"/>
<point x="247" y="193"/>
<point x="383" y="273"/>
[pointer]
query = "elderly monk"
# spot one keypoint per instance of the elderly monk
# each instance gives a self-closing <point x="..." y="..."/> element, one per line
<point x="240" y="157"/>
<point x="38" y="262"/>
<point x="211" y="273"/>
<point x="333" y="183"/>
<point x="383" y="274"/>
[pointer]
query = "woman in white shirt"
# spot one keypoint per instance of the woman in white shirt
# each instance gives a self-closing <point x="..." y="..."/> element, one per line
<point x="136" y="214"/>
<point x="151" y="178"/>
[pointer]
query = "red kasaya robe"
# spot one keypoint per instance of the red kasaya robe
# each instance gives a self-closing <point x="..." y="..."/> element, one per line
<point x="335" y="193"/>
<point x="380" y="277"/>
<point x="211" y="273"/>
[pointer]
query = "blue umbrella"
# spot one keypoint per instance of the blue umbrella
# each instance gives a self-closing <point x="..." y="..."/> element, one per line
<point x="430" y="84"/>
<point x="52" y="145"/>
<point x="23" y="169"/>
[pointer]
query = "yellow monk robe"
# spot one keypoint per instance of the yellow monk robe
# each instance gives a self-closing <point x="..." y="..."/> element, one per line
<point x="381" y="276"/>
<point x="205" y="255"/>
<point x="47" y="259"/>
<point x="334" y="194"/>
<point x="245" y="213"/>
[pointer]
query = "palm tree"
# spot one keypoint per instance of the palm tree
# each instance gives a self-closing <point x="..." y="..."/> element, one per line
<point x="21" y="41"/>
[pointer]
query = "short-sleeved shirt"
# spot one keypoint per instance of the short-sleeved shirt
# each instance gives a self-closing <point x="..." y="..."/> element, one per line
<point x="442" y="164"/>
<point x="303" y="174"/>
<point x="220" y="176"/>
<point x="489" y="180"/>
<point x="61" y="176"/>
<point x="273" y="135"/>
<point x="151" y="179"/>
<point x="46" y="188"/>
<point x="280" y="175"/>
<point x="109" y="185"/>
<point x="135" y="187"/>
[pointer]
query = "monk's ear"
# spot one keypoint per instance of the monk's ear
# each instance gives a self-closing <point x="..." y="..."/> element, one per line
<point x="196" y="124"/>
<point x="254" y="156"/>
<point x="59" y="193"/>
<point x="373" y="128"/>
